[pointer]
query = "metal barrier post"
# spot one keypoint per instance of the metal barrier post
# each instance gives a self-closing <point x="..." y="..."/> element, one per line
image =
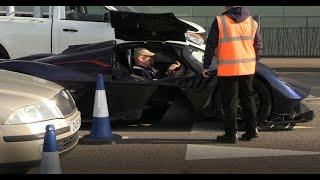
<point x="10" y="11"/>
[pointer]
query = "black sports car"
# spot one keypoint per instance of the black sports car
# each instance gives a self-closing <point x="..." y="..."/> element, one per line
<point x="278" y="99"/>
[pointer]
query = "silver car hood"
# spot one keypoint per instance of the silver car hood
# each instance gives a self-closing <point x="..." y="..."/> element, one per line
<point x="18" y="90"/>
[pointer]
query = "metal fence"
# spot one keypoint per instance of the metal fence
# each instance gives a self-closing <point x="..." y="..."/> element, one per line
<point x="283" y="36"/>
<point x="291" y="41"/>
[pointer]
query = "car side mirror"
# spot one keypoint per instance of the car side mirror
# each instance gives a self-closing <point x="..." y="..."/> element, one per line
<point x="107" y="17"/>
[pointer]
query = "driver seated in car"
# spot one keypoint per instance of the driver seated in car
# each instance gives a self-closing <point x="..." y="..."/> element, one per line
<point x="144" y="65"/>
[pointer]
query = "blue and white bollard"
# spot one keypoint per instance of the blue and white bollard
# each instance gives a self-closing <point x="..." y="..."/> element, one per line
<point x="50" y="162"/>
<point x="100" y="130"/>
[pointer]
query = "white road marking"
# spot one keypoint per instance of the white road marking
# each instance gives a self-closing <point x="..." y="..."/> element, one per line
<point x="302" y="127"/>
<point x="133" y="125"/>
<point x="311" y="98"/>
<point x="147" y="125"/>
<point x="197" y="152"/>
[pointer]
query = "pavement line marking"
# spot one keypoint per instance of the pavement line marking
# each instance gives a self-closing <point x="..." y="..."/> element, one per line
<point x="311" y="100"/>
<point x="302" y="127"/>
<point x="311" y="97"/>
<point x="197" y="152"/>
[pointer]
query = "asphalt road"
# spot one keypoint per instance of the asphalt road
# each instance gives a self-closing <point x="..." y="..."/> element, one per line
<point x="151" y="147"/>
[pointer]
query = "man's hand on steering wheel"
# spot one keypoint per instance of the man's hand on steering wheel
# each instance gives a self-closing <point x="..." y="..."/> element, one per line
<point x="174" y="67"/>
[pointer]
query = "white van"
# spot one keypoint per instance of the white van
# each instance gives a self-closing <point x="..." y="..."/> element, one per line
<point x="28" y="30"/>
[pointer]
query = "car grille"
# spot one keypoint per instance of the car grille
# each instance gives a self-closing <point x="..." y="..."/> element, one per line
<point x="66" y="143"/>
<point x="65" y="103"/>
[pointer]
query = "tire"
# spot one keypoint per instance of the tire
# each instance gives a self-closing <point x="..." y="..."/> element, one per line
<point x="263" y="101"/>
<point x="3" y="53"/>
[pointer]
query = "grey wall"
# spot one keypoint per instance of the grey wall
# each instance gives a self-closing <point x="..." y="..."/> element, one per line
<point x="215" y="10"/>
<point x="203" y="15"/>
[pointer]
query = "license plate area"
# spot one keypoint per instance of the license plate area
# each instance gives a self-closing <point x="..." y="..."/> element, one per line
<point x="75" y="125"/>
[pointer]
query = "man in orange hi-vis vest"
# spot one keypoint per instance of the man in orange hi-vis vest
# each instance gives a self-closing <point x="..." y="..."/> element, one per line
<point x="234" y="38"/>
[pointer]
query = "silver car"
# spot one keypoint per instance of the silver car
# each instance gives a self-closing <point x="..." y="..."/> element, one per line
<point x="27" y="105"/>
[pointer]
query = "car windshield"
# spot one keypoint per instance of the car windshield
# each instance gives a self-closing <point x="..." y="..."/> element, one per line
<point x="196" y="58"/>
<point x="126" y="8"/>
<point x="197" y="54"/>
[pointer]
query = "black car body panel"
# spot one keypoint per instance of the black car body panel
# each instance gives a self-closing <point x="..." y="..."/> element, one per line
<point x="130" y="26"/>
<point x="128" y="95"/>
<point x="287" y="92"/>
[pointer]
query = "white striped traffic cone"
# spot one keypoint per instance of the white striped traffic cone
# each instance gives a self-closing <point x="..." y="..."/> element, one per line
<point x="100" y="130"/>
<point x="50" y="162"/>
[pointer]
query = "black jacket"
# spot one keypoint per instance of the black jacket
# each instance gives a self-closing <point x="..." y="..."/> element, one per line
<point x="149" y="73"/>
<point x="238" y="14"/>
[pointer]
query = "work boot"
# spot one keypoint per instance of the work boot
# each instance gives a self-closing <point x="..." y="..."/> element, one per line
<point x="227" y="138"/>
<point x="248" y="135"/>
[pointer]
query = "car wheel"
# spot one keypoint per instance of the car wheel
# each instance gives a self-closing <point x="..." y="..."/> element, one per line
<point x="263" y="101"/>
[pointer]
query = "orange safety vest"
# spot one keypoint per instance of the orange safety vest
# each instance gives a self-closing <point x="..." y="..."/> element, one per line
<point x="235" y="51"/>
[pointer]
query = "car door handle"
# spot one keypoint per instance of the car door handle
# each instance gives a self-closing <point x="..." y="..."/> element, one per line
<point x="70" y="30"/>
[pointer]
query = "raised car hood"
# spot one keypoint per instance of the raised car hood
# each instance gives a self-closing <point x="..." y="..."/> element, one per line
<point x="130" y="26"/>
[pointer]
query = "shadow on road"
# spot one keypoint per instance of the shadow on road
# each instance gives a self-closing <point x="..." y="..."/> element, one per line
<point x="139" y="126"/>
<point x="162" y="141"/>
<point x="145" y="126"/>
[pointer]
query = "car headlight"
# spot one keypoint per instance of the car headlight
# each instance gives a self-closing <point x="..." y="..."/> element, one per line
<point x="195" y="38"/>
<point x="65" y="103"/>
<point x="35" y="113"/>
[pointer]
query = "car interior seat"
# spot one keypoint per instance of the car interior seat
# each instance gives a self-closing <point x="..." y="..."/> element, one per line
<point x="130" y="59"/>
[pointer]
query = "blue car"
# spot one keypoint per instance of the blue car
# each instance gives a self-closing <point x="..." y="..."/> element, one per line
<point x="278" y="99"/>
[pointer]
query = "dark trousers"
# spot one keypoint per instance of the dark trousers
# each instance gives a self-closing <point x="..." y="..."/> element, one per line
<point x="232" y="89"/>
